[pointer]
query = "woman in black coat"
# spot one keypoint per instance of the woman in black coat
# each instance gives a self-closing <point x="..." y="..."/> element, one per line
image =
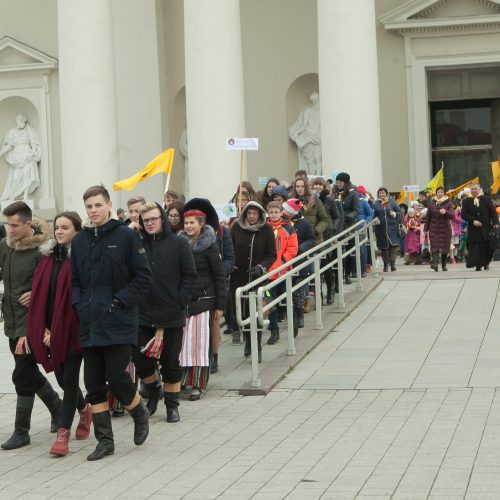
<point x="207" y="302"/>
<point x="255" y="252"/>
<point x="387" y="211"/>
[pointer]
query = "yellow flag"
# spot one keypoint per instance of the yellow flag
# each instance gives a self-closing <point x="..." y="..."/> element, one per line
<point x="162" y="163"/>
<point x="454" y="192"/>
<point x="436" y="181"/>
<point x="495" y="171"/>
<point x="401" y="197"/>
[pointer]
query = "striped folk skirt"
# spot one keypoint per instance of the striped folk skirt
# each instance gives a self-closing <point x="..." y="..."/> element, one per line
<point x="195" y="352"/>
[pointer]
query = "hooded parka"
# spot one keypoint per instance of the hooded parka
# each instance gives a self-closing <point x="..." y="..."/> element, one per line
<point x="18" y="261"/>
<point x="108" y="262"/>
<point x="174" y="278"/>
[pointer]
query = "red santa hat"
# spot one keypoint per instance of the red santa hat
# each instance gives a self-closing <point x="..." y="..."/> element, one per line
<point x="293" y="206"/>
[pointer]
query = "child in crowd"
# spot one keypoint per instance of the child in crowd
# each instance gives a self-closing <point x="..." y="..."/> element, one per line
<point x="286" y="241"/>
<point x="412" y="240"/>
<point x="456" y="231"/>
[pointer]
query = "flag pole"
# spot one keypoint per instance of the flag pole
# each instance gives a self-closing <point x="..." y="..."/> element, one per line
<point x="167" y="183"/>
<point x="241" y="181"/>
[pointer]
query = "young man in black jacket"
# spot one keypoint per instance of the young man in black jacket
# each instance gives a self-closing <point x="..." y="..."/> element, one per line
<point x="110" y="275"/>
<point x="162" y="311"/>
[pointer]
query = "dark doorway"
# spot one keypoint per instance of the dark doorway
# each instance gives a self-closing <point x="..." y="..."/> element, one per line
<point x="462" y="141"/>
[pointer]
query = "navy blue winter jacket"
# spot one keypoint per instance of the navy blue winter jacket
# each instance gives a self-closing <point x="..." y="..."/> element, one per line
<point x="108" y="262"/>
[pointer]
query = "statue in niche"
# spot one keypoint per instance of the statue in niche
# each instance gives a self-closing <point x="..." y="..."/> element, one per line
<point x="21" y="149"/>
<point x="306" y="133"/>
<point x="183" y="148"/>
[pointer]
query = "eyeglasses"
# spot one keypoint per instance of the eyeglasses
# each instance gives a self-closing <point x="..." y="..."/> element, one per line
<point x="151" y="220"/>
<point x="174" y="216"/>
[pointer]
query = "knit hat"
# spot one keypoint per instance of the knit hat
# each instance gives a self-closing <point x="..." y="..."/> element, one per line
<point x="293" y="206"/>
<point x="343" y="177"/>
<point x="280" y="191"/>
<point x="361" y="190"/>
<point x="411" y="211"/>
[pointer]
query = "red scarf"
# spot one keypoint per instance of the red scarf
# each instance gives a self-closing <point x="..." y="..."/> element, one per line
<point x="64" y="329"/>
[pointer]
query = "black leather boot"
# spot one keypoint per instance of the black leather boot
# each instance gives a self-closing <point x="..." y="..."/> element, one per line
<point x="140" y="415"/>
<point x="299" y="312"/>
<point x="104" y="434"/>
<point x="385" y="259"/>
<point x="247" y="350"/>
<point x="275" y="337"/>
<point x="330" y="295"/>
<point x="155" y="391"/>
<point x="53" y="403"/>
<point x="21" y="436"/>
<point x="214" y="363"/>
<point x="259" y="345"/>
<point x="444" y="260"/>
<point x="435" y="261"/>
<point x="172" y="405"/>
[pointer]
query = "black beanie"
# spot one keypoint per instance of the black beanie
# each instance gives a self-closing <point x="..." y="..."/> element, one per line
<point x="343" y="177"/>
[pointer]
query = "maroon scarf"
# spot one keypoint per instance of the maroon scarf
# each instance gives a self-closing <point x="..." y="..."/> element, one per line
<point x="64" y="329"/>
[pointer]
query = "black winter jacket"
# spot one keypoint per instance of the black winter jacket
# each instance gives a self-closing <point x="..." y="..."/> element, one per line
<point x="174" y="278"/>
<point x="350" y="204"/>
<point x="108" y="262"/>
<point x="209" y="293"/>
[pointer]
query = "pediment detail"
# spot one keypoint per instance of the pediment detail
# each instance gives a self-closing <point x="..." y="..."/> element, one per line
<point x="442" y="14"/>
<point x="17" y="56"/>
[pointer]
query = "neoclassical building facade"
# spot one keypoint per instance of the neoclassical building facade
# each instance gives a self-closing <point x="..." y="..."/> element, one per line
<point x="404" y="86"/>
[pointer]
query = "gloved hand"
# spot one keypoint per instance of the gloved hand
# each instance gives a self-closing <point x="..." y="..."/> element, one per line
<point x="255" y="272"/>
<point x="392" y="214"/>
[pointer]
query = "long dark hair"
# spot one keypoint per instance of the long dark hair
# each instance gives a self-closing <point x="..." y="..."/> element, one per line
<point x="73" y="217"/>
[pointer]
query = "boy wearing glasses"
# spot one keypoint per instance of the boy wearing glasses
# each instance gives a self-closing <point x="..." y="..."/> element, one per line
<point x="162" y="313"/>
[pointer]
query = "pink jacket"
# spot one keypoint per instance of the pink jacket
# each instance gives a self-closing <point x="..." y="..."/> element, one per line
<point x="456" y="223"/>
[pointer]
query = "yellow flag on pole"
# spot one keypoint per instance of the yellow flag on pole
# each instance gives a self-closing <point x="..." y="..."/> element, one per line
<point x="162" y="163"/>
<point x="454" y="192"/>
<point x="436" y="181"/>
<point x="401" y="197"/>
<point x="495" y="171"/>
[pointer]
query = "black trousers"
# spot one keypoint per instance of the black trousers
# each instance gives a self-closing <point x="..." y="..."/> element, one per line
<point x="27" y="377"/>
<point x="170" y="368"/>
<point x="104" y="369"/>
<point x="68" y="379"/>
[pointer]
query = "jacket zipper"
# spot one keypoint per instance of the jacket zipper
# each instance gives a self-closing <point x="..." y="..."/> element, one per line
<point x="10" y="289"/>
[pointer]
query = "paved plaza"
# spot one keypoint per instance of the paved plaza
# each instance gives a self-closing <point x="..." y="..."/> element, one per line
<point x="399" y="401"/>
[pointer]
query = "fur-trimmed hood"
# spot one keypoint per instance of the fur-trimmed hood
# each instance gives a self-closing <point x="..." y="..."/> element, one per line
<point x="207" y="239"/>
<point x="51" y="247"/>
<point x="242" y="220"/>
<point x="40" y="232"/>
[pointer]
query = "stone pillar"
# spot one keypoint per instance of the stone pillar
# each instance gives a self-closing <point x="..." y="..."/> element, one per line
<point x="214" y="96"/>
<point x="87" y="98"/>
<point x="348" y="88"/>
<point x="495" y="128"/>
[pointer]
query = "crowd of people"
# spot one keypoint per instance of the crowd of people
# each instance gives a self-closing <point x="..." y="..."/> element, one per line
<point x="140" y="296"/>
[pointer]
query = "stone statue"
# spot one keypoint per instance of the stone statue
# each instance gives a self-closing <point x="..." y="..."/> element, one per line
<point x="306" y="133"/>
<point x="183" y="148"/>
<point x="21" y="149"/>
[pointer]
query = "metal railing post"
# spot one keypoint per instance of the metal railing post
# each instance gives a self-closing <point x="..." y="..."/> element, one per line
<point x="318" y="292"/>
<point x="357" y="249"/>
<point x="340" y="277"/>
<point x="290" y="316"/>
<point x="371" y="237"/>
<point x="252" y="302"/>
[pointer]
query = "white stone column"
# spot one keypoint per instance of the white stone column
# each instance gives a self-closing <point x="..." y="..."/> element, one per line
<point x="87" y="98"/>
<point x="348" y="88"/>
<point x="214" y="96"/>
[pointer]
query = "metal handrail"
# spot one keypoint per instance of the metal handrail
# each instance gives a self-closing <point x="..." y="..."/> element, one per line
<point x="254" y="291"/>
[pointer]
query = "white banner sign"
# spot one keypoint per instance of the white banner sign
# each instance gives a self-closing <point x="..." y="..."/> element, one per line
<point x="226" y="211"/>
<point x="242" y="144"/>
<point x="411" y="188"/>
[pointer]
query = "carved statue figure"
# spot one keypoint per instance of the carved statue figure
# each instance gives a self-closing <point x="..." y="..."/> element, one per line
<point x="21" y="149"/>
<point x="183" y="148"/>
<point x="306" y="133"/>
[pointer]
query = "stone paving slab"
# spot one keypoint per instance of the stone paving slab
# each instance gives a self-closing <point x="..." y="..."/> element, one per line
<point x="399" y="401"/>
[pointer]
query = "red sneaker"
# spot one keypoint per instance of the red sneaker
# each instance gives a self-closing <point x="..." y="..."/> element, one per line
<point x="60" y="447"/>
<point x="83" y="429"/>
